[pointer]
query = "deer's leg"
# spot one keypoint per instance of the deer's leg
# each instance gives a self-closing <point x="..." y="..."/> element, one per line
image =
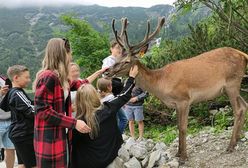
<point x="239" y="107"/>
<point x="183" y="111"/>
<point x="178" y="126"/>
<point x="242" y="106"/>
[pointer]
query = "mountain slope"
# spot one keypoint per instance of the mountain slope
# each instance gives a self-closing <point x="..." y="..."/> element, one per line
<point x="25" y="31"/>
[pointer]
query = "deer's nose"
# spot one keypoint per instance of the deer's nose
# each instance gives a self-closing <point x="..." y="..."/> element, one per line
<point x="106" y="73"/>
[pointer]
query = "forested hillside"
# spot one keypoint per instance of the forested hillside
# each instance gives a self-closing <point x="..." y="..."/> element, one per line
<point x="25" y="31"/>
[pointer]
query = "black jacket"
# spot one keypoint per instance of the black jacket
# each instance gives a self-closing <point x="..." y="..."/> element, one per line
<point x="101" y="151"/>
<point x="117" y="86"/>
<point x="22" y="114"/>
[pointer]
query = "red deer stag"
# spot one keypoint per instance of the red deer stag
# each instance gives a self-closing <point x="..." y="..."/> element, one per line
<point x="188" y="81"/>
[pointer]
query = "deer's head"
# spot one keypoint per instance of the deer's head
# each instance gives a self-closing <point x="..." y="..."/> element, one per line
<point x="131" y="53"/>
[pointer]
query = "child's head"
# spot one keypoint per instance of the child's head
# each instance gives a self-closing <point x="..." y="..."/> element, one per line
<point x="19" y="75"/>
<point x="104" y="85"/>
<point x="115" y="49"/>
<point x="74" y="71"/>
<point x="87" y="103"/>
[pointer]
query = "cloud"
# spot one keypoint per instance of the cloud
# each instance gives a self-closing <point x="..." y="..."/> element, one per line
<point x="109" y="3"/>
<point x="38" y="3"/>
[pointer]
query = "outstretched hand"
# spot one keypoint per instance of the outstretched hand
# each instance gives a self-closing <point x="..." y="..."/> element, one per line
<point x="133" y="71"/>
<point x="92" y="77"/>
<point x="101" y="71"/>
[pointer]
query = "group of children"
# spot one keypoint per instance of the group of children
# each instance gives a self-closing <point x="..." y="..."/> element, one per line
<point x="44" y="132"/>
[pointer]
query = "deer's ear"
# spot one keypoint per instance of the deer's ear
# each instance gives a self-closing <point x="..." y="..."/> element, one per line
<point x="143" y="50"/>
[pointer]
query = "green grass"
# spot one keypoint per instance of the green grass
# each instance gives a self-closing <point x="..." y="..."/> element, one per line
<point x="167" y="134"/>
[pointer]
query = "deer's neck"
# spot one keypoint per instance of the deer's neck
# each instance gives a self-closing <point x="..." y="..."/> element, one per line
<point x="149" y="80"/>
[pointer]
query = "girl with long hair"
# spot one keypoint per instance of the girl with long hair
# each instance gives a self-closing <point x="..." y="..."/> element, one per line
<point x="99" y="147"/>
<point x="53" y="122"/>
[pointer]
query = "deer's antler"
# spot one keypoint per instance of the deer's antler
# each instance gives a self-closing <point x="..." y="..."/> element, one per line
<point x="123" y="41"/>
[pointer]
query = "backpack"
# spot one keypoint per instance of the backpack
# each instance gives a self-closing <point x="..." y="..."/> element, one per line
<point x="5" y="101"/>
<point x="5" y="81"/>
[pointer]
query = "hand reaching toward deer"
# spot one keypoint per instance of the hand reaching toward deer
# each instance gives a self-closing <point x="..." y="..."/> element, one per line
<point x="92" y="77"/>
<point x="133" y="71"/>
<point x="101" y="71"/>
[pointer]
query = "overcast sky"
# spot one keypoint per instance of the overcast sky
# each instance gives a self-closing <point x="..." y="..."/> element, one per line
<point x="109" y="3"/>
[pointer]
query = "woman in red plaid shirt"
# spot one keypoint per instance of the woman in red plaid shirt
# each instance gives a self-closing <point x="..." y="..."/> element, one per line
<point x="53" y="121"/>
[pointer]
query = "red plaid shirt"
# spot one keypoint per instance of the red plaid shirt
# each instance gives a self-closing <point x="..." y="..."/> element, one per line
<point x="52" y="116"/>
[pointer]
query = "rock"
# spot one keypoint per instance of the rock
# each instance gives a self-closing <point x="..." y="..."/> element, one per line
<point x="132" y="163"/>
<point x="204" y="140"/>
<point x="200" y="141"/>
<point x="189" y="137"/>
<point x="129" y="143"/>
<point x="213" y="112"/>
<point x="142" y="143"/>
<point x="246" y="135"/>
<point x="222" y="136"/>
<point x="117" y="163"/>
<point x="144" y="162"/>
<point x="162" y="160"/>
<point x="165" y="154"/>
<point x="164" y="166"/>
<point x="217" y="148"/>
<point x="125" y="137"/>
<point x="149" y="144"/>
<point x="138" y="151"/>
<point x="173" y="164"/>
<point x="243" y="139"/>
<point x="159" y="146"/>
<point x="123" y="154"/>
<point x="169" y="154"/>
<point x="176" y="140"/>
<point x="222" y="109"/>
<point x="237" y="147"/>
<point x="154" y="157"/>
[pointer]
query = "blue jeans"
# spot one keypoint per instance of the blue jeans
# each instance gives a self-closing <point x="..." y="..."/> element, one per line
<point x="122" y="120"/>
<point x="134" y="113"/>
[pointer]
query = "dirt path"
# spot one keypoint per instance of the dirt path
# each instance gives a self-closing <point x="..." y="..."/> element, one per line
<point x="207" y="150"/>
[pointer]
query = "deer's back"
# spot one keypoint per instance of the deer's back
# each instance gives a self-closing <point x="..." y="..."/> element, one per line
<point x="205" y="75"/>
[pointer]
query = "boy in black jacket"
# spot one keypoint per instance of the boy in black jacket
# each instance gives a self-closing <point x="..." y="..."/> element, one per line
<point x="21" y="130"/>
